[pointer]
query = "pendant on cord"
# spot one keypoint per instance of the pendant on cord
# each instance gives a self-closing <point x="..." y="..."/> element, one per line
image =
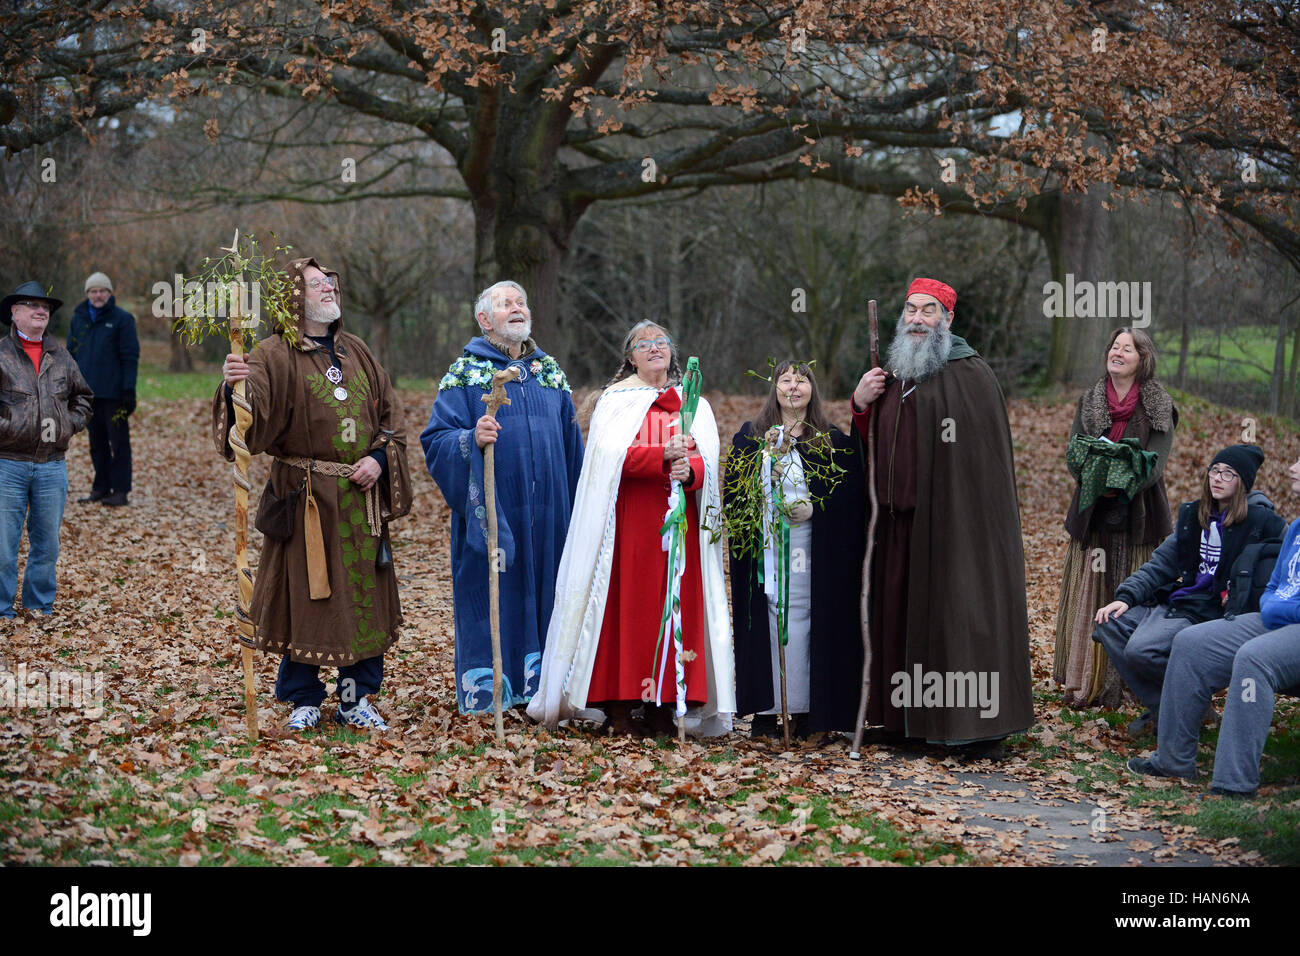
<point x="335" y="375"/>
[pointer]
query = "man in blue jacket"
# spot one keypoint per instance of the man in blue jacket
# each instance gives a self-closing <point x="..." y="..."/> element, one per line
<point x="103" y="341"/>
<point x="1255" y="656"/>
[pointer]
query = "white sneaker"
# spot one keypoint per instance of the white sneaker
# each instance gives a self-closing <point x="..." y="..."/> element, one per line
<point x="304" y="718"/>
<point x="362" y="715"/>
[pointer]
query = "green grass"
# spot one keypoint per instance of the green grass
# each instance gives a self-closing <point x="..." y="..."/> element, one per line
<point x="1269" y="825"/>
<point x="156" y="384"/>
<point x="417" y="384"/>
<point x="1241" y="345"/>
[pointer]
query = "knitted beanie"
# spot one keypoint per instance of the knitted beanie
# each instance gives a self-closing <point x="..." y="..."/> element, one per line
<point x="1243" y="459"/>
<point x="98" y="281"/>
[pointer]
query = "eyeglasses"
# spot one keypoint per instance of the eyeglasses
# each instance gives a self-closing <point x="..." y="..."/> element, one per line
<point x="34" y="306"/>
<point x="929" y="310"/>
<point x="1224" y="473"/>
<point x="645" y="345"/>
<point x="327" y="283"/>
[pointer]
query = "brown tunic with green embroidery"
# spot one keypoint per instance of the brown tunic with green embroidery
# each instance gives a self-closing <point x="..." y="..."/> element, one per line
<point x="296" y="414"/>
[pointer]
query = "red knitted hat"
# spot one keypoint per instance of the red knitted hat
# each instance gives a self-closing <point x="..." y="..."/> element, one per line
<point x="944" y="293"/>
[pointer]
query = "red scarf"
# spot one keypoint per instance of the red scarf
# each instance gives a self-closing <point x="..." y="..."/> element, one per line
<point x="1120" y="411"/>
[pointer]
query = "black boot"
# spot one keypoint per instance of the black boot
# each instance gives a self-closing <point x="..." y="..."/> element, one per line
<point x="764" y="725"/>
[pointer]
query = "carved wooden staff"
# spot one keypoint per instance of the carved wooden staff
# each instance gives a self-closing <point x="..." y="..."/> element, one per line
<point x="244" y="576"/>
<point x="873" y="330"/>
<point x="495" y="399"/>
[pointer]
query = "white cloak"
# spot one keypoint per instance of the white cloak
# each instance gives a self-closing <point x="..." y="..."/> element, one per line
<point x="582" y="582"/>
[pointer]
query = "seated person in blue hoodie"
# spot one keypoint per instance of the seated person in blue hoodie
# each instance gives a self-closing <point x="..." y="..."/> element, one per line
<point x="1255" y="656"/>
<point x="1185" y="581"/>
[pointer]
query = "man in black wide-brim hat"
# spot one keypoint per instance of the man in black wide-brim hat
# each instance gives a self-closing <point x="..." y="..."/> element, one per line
<point x="44" y="401"/>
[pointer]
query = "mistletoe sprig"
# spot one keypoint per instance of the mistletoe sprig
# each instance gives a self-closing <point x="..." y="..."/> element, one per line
<point x="209" y="296"/>
<point x="743" y="512"/>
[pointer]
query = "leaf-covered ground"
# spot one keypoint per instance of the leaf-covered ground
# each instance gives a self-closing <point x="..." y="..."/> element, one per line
<point x="165" y="774"/>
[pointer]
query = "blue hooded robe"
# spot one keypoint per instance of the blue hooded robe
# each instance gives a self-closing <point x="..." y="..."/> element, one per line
<point x="538" y="460"/>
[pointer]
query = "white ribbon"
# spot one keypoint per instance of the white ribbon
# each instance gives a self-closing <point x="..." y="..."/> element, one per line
<point x="676" y="568"/>
<point x="769" y="517"/>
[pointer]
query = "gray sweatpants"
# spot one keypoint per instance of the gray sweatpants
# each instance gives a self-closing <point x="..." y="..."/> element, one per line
<point x="1137" y="643"/>
<point x="1253" y="663"/>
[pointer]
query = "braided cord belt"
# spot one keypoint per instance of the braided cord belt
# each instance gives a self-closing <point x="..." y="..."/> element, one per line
<point x="340" y="469"/>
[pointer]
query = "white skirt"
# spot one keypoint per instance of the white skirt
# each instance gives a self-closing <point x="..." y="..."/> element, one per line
<point x="798" y="625"/>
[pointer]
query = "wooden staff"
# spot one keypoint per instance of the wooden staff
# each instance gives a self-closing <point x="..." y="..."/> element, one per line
<point x="780" y="645"/>
<point x="785" y="710"/>
<point x="244" y="576"/>
<point x="495" y="399"/>
<point x="873" y="330"/>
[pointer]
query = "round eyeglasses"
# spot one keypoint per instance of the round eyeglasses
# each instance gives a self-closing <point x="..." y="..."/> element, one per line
<point x="645" y="345"/>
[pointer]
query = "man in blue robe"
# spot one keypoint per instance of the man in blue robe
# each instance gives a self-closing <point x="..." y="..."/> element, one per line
<point x="538" y="460"/>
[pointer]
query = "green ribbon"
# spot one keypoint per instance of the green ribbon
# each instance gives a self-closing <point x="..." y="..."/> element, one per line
<point x="675" y="526"/>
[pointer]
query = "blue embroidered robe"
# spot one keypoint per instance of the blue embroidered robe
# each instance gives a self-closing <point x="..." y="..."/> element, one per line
<point x="538" y="460"/>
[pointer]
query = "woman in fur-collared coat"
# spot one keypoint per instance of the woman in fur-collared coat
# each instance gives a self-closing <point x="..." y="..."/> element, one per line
<point x="1116" y="535"/>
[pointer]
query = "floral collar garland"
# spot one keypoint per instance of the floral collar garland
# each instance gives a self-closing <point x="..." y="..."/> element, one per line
<point x="468" y="370"/>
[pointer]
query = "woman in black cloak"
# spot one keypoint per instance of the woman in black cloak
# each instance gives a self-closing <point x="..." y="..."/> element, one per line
<point x="827" y="545"/>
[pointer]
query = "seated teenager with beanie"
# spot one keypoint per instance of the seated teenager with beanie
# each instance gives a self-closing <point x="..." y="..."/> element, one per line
<point x="1255" y="656"/>
<point x="1186" y="579"/>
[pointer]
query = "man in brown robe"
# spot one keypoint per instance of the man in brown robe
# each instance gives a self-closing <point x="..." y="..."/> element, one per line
<point x="327" y="412"/>
<point x="949" y="629"/>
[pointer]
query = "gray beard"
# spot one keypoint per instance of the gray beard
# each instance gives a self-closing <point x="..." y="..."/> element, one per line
<point x="516" y="336"/>
<point x="918" y="360"/>
<point x="323" y="312"/>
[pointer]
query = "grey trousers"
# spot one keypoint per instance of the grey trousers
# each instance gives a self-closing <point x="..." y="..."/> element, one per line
<point x="1253" y="663"/>
<point x="1138" y="644"/>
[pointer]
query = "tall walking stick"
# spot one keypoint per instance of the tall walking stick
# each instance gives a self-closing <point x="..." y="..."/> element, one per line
<point x="673" y="538"/>
<point x="231" y="308"/>
<point x="243" y="419"/>
<point x="783" y="588"/>
<point x="874" y="332"/>
<point x="495" y="399"/>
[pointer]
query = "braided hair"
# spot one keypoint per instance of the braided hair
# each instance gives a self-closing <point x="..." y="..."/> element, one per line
<point x="627" y="369"/>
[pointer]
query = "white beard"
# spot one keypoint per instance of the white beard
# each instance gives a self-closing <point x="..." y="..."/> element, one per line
<point x="917" y="359"/>
<point x="516" y="334"/>
<point x="323" y="312"/>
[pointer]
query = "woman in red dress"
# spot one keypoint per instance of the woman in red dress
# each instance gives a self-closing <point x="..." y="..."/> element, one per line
<point x="627" y="671"/>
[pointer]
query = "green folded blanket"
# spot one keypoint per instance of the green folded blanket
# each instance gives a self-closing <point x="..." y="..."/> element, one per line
<point x="1106" y="465"/>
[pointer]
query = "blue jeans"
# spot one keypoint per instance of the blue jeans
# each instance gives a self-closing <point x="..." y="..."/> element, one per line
<point x="32" y="493"/>
<point x="300" y="683"/>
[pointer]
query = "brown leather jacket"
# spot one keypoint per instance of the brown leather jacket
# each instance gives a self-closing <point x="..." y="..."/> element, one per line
<point x="40" y="413"/>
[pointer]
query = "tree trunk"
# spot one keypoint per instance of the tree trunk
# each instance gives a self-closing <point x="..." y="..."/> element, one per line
<point x="1279" y="366"/>
<point x="380" y="323"/>
<point x="180" y="357"/>
<point x="1185" y="340"/>
<point x="514" y="241"/>
<point x="1295" y="367"/>
<point x="1078" y="243"/>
